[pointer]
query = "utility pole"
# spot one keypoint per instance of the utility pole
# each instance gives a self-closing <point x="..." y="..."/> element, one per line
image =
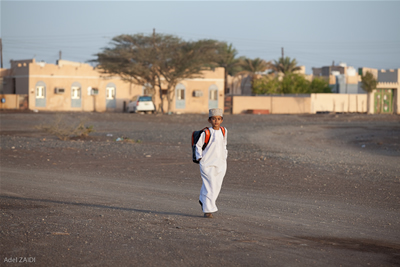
<point x="59" y="55"/>
<point x="1" y="53"/>
<point x="282" y="53"/>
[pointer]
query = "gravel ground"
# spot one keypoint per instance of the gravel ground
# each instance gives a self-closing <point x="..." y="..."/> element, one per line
<point x="300" y="190"/>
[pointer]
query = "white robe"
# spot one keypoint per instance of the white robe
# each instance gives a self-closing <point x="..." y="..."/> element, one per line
<point x="212" y="167"/>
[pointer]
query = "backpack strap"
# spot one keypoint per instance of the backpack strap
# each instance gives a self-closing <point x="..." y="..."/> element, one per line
<point x="223" y="130"/>
<point x="207" y="137"/>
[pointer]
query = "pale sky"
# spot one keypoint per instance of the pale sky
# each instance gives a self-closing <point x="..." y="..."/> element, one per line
<point x="315" y="33"/>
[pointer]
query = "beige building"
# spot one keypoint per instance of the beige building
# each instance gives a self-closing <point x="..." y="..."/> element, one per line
<point x="73" y="86"/>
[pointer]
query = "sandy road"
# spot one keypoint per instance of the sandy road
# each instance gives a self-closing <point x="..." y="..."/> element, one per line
<point x="290" y="208"/>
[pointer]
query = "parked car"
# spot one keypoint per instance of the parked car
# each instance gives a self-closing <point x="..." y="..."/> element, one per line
<point x="141" y="104"/>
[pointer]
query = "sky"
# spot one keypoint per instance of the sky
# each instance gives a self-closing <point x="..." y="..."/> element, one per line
<point x="315" y="33"/>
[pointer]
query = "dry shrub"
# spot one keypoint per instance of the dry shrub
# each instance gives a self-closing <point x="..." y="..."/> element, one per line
<point x="65" y="130"/>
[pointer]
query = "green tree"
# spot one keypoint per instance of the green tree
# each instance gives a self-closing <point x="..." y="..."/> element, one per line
<point x="266" y="85"/>
<point x="227" y="58"/>
<point x="135" y="58"/>
<point x="291" y="83"/>
<point x="368" y="82"/>
<point x="188" y="61"/>
<point x="294" y="84"/>
<point x="285" y="65"/>
<point x="319" y="85"/>
<point x="149" y="59"/>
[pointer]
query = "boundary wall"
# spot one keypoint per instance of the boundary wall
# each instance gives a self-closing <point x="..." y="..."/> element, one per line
<point x="346" y="103"/>
<point x="305" y="104"/>
<point x="274" y="104"/>
<point x="13" y="101"/>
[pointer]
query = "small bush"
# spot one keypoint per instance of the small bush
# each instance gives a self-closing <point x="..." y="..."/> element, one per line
<point x="64" y="130"/>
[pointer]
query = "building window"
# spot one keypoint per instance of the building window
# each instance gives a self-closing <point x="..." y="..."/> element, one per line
<point x="110" y="92"/>
<point x="213" y="95"/>
<point x="76" y="92"/>
<point x="180" y="94"/>
<point x="39" y="91"/>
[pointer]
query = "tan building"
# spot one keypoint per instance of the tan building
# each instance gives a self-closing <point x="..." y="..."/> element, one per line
<point x="73" y="86"/>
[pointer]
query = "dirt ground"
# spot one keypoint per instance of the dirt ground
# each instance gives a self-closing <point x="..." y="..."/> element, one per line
<point x="300" y="190"/>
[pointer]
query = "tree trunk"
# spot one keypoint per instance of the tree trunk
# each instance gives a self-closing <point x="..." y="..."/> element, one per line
<point x="161" y="108"/>
<point x="161" y="100"/>
<point x="169" y="98"/>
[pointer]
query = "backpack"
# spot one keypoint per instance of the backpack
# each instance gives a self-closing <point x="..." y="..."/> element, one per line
<point x="195" y="137"/>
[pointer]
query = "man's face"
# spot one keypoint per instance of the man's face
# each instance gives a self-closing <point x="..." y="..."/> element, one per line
<point x="215" y="121"/>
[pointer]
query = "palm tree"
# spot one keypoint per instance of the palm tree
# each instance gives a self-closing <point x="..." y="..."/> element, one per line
<point x="253" y="67"/>
<point x="227" y="59"/>
<point x="285" y="65"/>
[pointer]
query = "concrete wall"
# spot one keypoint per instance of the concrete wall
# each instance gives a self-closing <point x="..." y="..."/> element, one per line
<point x="274" y="104"/>
<point x="301" y="105"/>
<point x="338" y="103"/>
<point x="241" y="104"/>
<point x="13" y="101"/>
<point x="290" y="105"/>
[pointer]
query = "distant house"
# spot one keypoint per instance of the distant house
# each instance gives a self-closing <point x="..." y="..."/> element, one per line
<point x="345" y="80"/>
<point x="342" y="79"/>
<point x="74" y="86"/>
<point x="239" y="85"/>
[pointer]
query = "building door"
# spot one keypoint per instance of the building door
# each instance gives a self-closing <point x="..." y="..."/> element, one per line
<point x="40" y="95"/>
<point x="40" y="100"/>
<point x="383" y="101"/>
<point x="76" y="95"/>
<point x="111" y="101"/>
<point x="213" y="97"/>
<point x="180" y="96"/>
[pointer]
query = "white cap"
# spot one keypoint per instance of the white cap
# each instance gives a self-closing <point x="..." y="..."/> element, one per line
<point x="215" y="112"/>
